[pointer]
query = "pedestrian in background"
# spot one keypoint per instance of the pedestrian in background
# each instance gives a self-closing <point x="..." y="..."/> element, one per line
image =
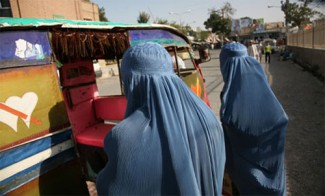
<point x="252" y="50"/>
<point x="259" y="46"/>
<point x="267" y="51"/>
<point x="170" y="142"/>
<point x="254" y="125"/>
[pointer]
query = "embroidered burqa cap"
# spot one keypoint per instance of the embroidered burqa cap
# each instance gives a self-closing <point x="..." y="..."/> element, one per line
<point x="170" y="141"/>
<point x="254" y="124"/>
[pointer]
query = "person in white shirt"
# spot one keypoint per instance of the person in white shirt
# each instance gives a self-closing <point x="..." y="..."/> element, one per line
<point x="180" y="62"/>
<point x="252" y="50"/>
<point x="259" y="47"/>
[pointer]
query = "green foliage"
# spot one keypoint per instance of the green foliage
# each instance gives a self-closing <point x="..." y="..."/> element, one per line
<point x="102" y="16"/>
<point x="161" y="21"/>
<point x="143" y="17"/>
<point x="226" y="11"/>
<point x="178" y="27"/>
<point x="218" y="24"/>
<point x="298" y="15"/>
<point x="220" y="20"/>
<point x="204" y="35"/>
<point x="317" y="2"/>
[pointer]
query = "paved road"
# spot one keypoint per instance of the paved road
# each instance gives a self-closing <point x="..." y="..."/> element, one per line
<point x="302" y="96"/>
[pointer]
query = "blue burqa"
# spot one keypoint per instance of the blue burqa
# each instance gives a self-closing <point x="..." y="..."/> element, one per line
<point x="170" y="142"/>
<point x="254" y="125"/>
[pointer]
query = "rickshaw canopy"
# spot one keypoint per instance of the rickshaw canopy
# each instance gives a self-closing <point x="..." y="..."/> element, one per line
<point x="135" y="32"/>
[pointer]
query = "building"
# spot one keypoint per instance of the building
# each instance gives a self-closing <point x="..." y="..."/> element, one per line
<point x="256" y="29"/>
<point x="62" y="9"/>
<point x="273" y="30"/>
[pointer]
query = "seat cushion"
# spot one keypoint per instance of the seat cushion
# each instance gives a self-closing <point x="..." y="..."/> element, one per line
<point x="110" y="108"/>
<point x="94" y="135"/>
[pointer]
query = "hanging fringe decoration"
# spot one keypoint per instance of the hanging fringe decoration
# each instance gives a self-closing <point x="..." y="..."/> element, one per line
<point x="70" y="45"/>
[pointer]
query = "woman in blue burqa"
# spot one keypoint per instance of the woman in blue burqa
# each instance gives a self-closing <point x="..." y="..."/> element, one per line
<point x="170" y="142"/>
<point x="254" y="124"/>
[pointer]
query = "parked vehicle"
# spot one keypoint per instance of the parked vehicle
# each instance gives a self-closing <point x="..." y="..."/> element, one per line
<point x="52" y="125"/>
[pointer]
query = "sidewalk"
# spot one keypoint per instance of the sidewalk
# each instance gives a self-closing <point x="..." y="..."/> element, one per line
<point x="302" y="96"/>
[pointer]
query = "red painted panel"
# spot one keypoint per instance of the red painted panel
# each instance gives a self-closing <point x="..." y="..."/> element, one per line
<point x="76" y="73"/>
<point x="82" y="93"/>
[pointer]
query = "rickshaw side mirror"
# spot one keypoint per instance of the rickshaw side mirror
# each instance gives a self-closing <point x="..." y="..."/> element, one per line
<point x="204" y="54"/>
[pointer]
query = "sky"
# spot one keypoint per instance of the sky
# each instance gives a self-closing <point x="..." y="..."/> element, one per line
<point x="191" y="12"/>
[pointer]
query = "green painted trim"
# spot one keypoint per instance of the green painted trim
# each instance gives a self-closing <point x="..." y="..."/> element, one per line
<point x="12" y="22"/>
<point x="160" y="41"/>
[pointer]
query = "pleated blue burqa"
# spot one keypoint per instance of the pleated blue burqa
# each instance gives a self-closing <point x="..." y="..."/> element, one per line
<point x="254" y="125"/>
<point x="170" y="142"/>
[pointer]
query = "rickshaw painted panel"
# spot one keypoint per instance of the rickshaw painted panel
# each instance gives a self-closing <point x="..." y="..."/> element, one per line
<point x="159" y="36"/>
<point x="31" y="104"/>
<point x="24" y="48"/>
<point x="25" y="162"/>
<point x="195" y="83"/>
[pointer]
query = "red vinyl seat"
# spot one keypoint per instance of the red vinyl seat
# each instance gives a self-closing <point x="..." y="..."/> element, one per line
<point x="110" y="109"/>
<point x="91" y="117"/>
<point x="94" y="135"/>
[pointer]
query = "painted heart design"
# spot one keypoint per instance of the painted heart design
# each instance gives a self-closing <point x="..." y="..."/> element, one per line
<point x="21" y="107"/>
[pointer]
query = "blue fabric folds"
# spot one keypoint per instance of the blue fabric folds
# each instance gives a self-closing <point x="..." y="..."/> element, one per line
<point x="254" y="125"/>
<point x="170" y="142"/>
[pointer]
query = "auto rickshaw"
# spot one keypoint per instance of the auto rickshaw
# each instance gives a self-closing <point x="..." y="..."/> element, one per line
<point x="55" y="110"/>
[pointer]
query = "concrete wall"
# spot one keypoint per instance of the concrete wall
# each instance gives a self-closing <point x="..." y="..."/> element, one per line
<point x="60" y="9"/>
<point x="89" y="11"/>
<point x="311" y="59"/>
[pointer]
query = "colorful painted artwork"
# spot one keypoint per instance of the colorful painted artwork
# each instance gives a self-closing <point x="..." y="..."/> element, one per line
<point x="235" y="25"/>
<point x="195" y="84"/>
<point x="19" y="107"/>
<point x="155" y="35"/>
<point x="31" y="104"/>
<point x="258" y="24"/>
<point x="24" y="48"/>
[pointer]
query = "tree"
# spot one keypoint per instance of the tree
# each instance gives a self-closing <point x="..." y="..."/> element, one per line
<point x="178" y="27"/>
<point x="102" y="16"/>
<point x="161" y="21"/>
<point x="226" y="11"/>
<point x="143" y="17"/>
<point x="218" y="24"/>
<point x="220" y="20"/>
<point x="297" y="15"/>
<point x="317" y="5"/>
<point x="316" y="2"/>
